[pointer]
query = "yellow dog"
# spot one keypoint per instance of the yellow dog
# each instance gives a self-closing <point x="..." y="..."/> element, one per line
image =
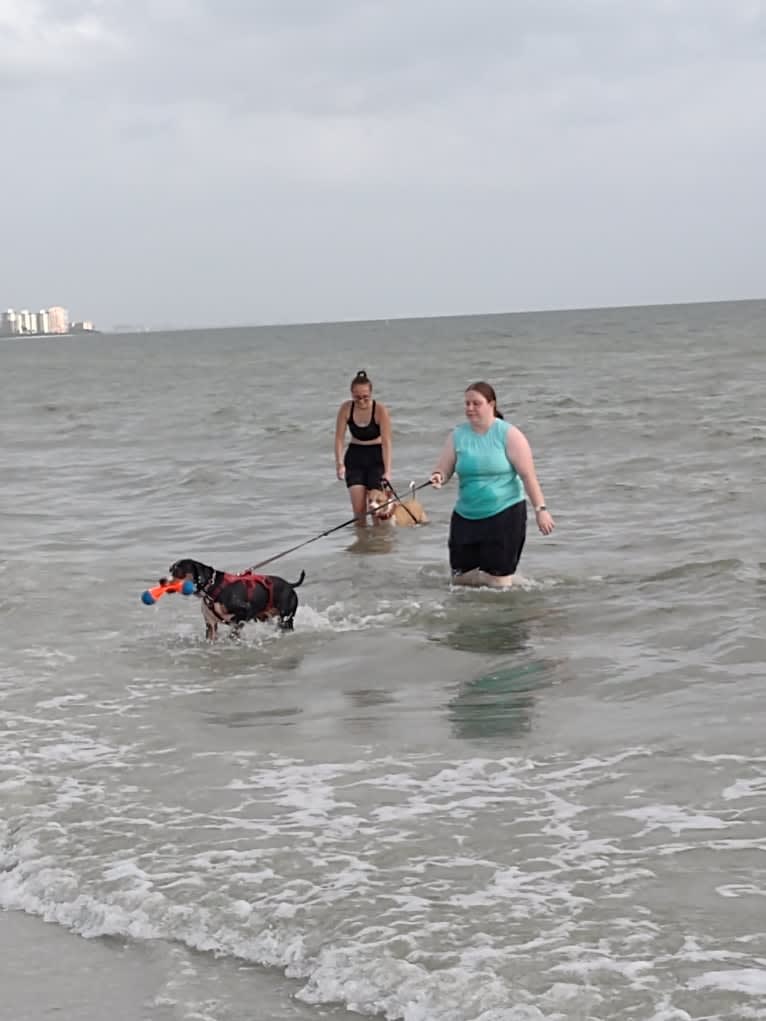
<point x="383" y="506"/>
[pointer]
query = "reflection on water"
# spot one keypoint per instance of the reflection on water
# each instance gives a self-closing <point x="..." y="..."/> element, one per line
<point x="495" y="623"/>
<point x="251" y="658"/>
<point x="500" y="701"/>
<point x="485" y="635"/>
<point x="267" y="717"/>
<point x="373" y="539"/>
<point x="497" y="703"/>
<point x="365" y="697"/>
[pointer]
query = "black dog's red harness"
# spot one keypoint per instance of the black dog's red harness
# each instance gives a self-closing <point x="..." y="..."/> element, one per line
<point x="249" y="580"/>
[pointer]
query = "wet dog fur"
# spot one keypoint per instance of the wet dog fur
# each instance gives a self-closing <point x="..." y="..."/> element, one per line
<point x="237" y="598"/>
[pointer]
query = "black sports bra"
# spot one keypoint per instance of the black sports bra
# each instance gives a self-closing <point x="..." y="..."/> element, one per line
<point x="371" y="431"/>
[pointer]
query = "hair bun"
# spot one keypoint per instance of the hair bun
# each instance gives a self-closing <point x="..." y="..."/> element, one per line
<point x="360" y="377"/>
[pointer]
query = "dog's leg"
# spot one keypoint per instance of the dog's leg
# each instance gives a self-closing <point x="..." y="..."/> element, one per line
<point x="287" y="610"/>
<point x="211" y="623"/>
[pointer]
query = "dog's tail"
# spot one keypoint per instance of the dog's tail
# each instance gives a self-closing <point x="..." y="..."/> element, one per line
<point x="295" y="584"/>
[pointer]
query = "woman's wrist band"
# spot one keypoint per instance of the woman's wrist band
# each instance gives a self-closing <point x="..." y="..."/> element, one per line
<point x="540" y="507"/>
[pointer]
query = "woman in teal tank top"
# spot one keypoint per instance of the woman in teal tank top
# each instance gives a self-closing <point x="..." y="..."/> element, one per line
<point x="496" y="472"/>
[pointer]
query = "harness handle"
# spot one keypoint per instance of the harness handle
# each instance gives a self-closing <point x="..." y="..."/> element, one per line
<point x="329" y="531"/>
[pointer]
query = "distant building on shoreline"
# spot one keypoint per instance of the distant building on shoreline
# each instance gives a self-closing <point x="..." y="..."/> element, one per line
<point x="53" y="321"/>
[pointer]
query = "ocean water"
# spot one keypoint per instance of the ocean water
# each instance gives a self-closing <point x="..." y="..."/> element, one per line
<point x="535" y="805"/>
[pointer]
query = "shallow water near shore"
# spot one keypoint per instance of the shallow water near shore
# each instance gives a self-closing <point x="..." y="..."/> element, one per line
<point x="426" y="802"/>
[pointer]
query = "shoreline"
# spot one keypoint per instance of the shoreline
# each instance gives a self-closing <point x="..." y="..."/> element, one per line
<point x="48" y="969"/>
<point x="52" y="336"/>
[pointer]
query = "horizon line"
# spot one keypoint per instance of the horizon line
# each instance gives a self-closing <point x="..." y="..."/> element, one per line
<point x="130" y="329"/>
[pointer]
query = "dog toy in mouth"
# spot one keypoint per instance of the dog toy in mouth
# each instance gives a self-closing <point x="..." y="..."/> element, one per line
<point x="151" y="595"/>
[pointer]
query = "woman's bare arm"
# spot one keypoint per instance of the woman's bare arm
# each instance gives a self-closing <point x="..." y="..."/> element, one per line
<point x="445" y="465"/>
<point x="384" y="421"/>
<point x="340" y="433"/>
<point x="520" y="455"/>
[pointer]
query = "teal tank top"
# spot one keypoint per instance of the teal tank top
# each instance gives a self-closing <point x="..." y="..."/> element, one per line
<point x="488" y="482"/>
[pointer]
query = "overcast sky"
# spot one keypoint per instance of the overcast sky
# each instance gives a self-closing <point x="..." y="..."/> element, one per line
<point x="251" y="161"/>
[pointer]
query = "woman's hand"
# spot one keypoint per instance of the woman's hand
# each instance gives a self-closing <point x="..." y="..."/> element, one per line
<point x="545" y="522"/>
<point x="340" y="471"/>
<point x="437" y="479"/>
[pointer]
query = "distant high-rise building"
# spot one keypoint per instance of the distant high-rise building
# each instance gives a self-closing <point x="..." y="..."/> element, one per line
<point x="9" y="323"/>
<point x="58" y="319"/>
<point x="23" y="322"/>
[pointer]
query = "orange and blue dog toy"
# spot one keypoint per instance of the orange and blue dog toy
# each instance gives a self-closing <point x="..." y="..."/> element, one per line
<point x="151" y="595"/>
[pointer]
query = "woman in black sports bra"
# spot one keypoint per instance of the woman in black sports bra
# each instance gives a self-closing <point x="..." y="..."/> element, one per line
<point x="367" y="460"/>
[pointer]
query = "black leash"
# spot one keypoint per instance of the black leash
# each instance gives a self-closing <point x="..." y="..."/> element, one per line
<point x="388" y="485"/>
<point x="329" y="531"/>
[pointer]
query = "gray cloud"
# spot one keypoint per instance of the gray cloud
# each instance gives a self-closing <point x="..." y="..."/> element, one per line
<point x="238" y="161"/>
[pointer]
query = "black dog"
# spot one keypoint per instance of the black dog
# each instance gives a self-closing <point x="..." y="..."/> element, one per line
<point x="234" y="599"/>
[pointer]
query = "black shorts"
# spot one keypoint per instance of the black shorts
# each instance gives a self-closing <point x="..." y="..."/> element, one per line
<point x="364" y="465"/>
<point x="492" y="544"/>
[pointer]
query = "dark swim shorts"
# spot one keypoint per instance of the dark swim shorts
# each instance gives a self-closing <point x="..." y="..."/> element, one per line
<point x="492" y="544"/>
<point x="364" y="465"/>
